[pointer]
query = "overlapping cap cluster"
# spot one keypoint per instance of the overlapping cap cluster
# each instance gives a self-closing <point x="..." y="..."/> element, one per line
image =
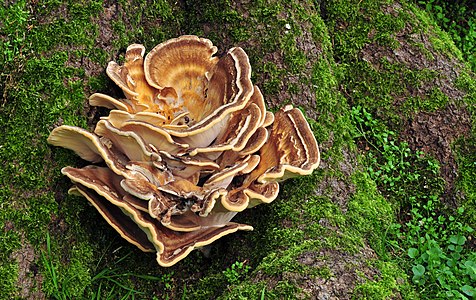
<point x="189" y="147"/>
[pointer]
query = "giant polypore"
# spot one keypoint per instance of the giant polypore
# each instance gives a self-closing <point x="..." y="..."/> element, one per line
<point x="189" y="147"/>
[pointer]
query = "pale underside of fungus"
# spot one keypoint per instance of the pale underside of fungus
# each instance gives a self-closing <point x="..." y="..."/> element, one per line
<point x="189" y="147"/>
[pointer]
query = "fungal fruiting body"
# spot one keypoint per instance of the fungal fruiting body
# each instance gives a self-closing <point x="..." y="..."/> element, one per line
<point x="189" y="147"/>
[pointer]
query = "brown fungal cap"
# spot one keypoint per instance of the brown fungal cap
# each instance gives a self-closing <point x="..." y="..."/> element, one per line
<point x="86" y="145"/>
<point x="291" y="149"/>
<point x="190" y="146"/>
<point x="171" y="246"/>
<point x="209" y="89"/>
<point x="167" y="64"/>
<point x="113" y="215"/>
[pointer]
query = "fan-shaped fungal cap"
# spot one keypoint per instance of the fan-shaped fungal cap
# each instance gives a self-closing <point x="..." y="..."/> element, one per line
<point x="85" y="144"/>
<point x="131" y="79"/>
<point x="88" y="146"/>
<point x="106" y="101"/>
<point x="167" y="64"/>
<point x="291" y="150"/>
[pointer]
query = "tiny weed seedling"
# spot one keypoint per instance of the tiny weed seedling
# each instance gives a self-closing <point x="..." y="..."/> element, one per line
<point x="237" y="271"/>
<point x="393" y="166"/>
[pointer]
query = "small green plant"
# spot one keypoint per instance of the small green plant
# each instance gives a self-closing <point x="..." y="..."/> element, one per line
<point x="237" y="271"/>
<point x="60" y="287"/>
<point x="393" y="166"/>
<point x="439" y="258"/>
<point x="431" y="240"/>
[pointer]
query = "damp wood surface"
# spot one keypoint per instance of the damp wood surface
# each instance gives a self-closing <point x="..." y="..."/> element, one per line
<point x="326" y="236"/>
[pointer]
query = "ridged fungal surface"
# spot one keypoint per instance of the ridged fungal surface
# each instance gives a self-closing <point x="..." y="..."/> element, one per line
<point x="189" y="147"/>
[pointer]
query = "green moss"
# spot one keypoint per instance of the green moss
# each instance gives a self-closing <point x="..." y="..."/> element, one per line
<point x="466" y="160"/>
<point x="43" y="92"/>
<point x="8" y="285"/>
<point x="386" y="284"/>
<point x="384" y="87"/>
<point x="441" y="40"/>
<point x="434" y="101"/>
<point x="464" y="149"/>
<point x="467" y="84"/>
<point x="369" y="213"/>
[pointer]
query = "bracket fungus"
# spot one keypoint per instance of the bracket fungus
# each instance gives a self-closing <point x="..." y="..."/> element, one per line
<point x="189" y="147"/>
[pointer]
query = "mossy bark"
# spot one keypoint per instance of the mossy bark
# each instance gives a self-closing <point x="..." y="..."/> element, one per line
<point x="325" y="236"/>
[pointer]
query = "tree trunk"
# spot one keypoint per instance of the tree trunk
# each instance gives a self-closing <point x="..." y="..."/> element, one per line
<point x="327" y="235"/>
